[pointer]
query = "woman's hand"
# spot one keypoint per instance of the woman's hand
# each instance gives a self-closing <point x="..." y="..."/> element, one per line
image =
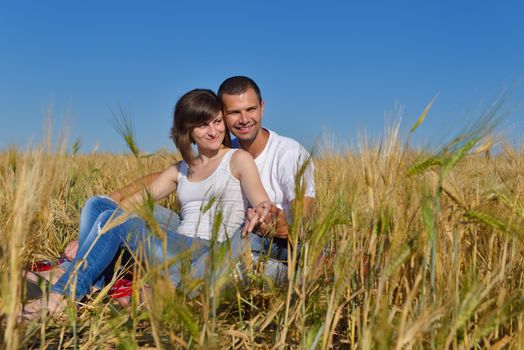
<point x="71" y="249"/>
<point x="261" y="215"/>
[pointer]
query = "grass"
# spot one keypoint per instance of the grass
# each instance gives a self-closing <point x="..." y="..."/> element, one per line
<point x="407" y="249"/>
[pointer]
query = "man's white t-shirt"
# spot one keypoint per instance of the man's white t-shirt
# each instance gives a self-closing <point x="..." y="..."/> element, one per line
<point x="278" y="165"/>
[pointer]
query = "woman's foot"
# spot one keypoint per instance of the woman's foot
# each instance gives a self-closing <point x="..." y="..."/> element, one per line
<point x="51" y="275"/>
<point x="145" y="294"/>
<point x="54" y="304"/>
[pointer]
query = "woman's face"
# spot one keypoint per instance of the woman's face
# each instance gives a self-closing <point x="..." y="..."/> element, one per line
<point x="210" y="135"/>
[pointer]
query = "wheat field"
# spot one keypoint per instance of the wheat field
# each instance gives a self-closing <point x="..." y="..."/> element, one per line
<point x="407" y="248"/>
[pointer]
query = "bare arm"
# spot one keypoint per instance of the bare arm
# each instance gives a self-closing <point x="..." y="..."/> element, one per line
<point x="134" y="187"/>
<point x="159" y="187"/>
<point x="119" y="196"/>
<point x="243" y="167"/>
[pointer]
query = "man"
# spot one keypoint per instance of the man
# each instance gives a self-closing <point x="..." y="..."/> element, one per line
<point x="279" y="159"/>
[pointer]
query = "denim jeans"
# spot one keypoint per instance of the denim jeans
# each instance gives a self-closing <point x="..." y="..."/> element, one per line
<point x="99" y="249"/>
<point x="93" y="207"/>
<point x="272" y="250"/>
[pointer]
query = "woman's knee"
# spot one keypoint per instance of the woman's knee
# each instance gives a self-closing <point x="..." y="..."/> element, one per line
<point x="95" y="205"/>
<point x="104" y="217"/>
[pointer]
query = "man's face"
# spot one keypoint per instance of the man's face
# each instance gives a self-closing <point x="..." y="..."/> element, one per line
<point x="243" y="115"/>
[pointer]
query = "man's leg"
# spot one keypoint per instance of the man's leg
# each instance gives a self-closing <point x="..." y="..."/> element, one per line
<point x="273" y="252"/>
<point x="273" y="248"/>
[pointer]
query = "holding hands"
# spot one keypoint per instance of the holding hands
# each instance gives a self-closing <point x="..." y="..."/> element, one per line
<point x="265" y="220"/>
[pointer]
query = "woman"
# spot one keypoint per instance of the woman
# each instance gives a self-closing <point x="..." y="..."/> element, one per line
<point x="214" y="183"/>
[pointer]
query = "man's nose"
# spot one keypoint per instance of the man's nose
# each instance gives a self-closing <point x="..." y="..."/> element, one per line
<point x="243" y="118"/>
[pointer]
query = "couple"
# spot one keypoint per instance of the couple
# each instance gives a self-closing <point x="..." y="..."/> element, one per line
<point x="219" y="178"/>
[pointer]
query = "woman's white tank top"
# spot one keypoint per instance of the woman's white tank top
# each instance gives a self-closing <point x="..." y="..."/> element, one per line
<point x="215" y="203"/>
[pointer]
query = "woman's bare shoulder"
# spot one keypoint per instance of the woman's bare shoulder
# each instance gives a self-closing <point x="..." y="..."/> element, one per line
<point x="241" y="161"/>
<point x="241" y="155"/>
<point x="173" y="170"/>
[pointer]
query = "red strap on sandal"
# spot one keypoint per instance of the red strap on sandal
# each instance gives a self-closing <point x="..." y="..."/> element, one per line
<point x="46" y="265"/>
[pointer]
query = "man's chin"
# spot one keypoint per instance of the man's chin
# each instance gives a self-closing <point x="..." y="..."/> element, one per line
<point x="244" y="137"/>
<point x="246" y="140"/>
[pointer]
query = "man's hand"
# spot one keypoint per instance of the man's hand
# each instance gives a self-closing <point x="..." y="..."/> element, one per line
<point x="266" y="221"/>
<point x="280" y="226"/>
<point x="71" y="249"/>
<point x="262" y="213"/>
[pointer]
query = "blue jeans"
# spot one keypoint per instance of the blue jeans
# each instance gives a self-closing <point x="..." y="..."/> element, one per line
<point x="97" y="250"/>
<point x="273" y="248"/>
<point x="93" y="207"/>
<point x="273" y="251"/>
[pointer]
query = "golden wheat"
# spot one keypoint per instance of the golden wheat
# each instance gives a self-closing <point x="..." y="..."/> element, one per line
<point x="407" y="249"/>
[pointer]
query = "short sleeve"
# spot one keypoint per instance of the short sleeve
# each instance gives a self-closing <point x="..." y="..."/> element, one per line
<point x="292" y="162"/>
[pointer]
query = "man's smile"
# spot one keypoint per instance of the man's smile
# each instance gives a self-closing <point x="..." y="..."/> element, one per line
<point x="243" y="129"/>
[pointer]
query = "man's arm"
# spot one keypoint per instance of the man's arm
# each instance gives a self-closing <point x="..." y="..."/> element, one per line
<point x="282" y="227"/>
<point x="129" y="190"/>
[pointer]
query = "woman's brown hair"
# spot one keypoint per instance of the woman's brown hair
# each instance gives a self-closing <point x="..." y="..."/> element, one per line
<point x="194" y="108"/>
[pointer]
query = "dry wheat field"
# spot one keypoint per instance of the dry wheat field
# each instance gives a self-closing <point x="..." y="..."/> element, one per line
<point x="407" y="248"/>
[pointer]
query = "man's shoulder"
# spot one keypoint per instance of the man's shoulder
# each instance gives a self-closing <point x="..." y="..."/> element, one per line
<point x="279" y="143"/>
<point x="286" y="144"/>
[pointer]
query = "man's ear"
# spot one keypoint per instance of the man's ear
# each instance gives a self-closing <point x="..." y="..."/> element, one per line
<point x="262" y="107"/>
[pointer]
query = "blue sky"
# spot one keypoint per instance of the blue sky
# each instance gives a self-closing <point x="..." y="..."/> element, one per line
<point x="335" y="67"/>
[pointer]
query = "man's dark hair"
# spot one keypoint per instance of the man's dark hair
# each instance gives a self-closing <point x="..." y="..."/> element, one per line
<point x="238" y="85"/>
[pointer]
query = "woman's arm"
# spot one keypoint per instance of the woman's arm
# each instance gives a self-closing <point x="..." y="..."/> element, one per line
<point x="120" y="196"/>
<point x="134" y="187"/>
<point x="160" y="187"/>
<point x="243" y="167"/>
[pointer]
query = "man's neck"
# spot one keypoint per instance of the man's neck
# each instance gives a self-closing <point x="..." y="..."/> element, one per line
<point x="256" y="146"/>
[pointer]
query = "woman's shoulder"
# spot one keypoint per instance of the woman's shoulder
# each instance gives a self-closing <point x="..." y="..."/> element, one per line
<point x="175" y="169"/>
<point x="238" y="161"/>
<point x="239" y="155"/>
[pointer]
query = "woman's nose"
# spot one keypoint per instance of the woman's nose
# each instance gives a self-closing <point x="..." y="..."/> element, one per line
<point x="212" y="130"/>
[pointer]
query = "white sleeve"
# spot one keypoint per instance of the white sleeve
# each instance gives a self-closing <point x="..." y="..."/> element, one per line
<point x="291" y="163"/>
